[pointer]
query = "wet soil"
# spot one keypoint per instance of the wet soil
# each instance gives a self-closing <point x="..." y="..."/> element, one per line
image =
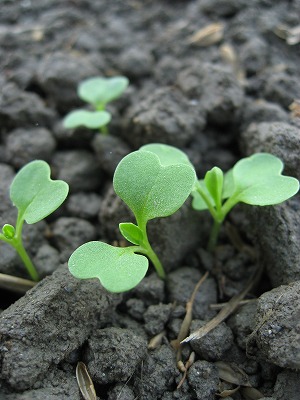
<point x="218" y="96"/>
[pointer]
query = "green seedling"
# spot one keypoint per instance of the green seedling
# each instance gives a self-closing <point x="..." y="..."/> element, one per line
<point x="36" y="196"/>
<point x="97" y="92"/>
<point x="254" y="180"/>
<point x="154" y="182"/>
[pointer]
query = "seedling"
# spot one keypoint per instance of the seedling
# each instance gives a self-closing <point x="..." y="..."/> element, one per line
<point x="254" y="180"/>
<point x="98" y="92"/>
<point x="154" y="182"/>
<point x="36" y="196"/>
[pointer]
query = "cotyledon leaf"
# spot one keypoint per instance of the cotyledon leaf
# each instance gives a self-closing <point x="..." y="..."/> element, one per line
<point x="99" y="90"/>
<point x="168" y="155"/>
<point x="35" y="194"/>
<point x="151" y="189"/>
<point x="89" y="119"/>
<point x="118" y="268"/>
<point x="258" y="180"/>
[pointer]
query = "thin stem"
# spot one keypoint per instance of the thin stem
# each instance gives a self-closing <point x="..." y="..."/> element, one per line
<point x="207" y="201"/>
<point x="214" y="234"/>
<point x="147" y="250"/>
<point x="17" y="243"/>
<point x="104" y="130"/>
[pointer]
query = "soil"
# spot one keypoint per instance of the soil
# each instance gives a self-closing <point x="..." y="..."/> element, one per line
<point x="219" y="97"/>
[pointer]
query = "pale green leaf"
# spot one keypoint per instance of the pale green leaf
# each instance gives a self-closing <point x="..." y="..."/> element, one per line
<point x="35" y="194"/>
<point x="118" y="268"/>
<point x="150" y="189"/>
<point x="214" y="183"/>
<point x="168" y="155"/>
<point x="89" y="119"/>
<point x="228" y="184"/>
<point x="198" y="202"/>
<point x="131" y="232"/>
<point x="258" y="181"/>
<point x="100" y="91"/>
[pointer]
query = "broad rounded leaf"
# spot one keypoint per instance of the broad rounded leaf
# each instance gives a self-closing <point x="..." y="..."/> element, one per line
<point x="168" y="155"/>
<point x="258" y="181"/>
<point x="89" y="119"/>
<point x="228" y="184"/>
<point x="131" y="232"/>
<point x="35" y="194"/>
<point x="100" y="91"/>
<point x="150" y="189"/>
<point x="118" y="268"/>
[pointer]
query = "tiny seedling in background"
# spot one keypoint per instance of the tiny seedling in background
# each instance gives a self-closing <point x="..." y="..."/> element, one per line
<point x="36" y="196"/>
<point x="154" y="182"/>
<point x="254" y="180"/>
<point x="98" y="92"/>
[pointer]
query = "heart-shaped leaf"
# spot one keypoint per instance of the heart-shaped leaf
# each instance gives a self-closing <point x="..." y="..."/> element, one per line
<point x="118" y="268"/>
<point x="35" y="194"/>
<point x="89" y="119"/>
<point x="131" y="232"/>
<point x="100" y="91"/>
<point x="168" y="155"/>
<point x="150" y="189"/>
<point x="258" y="181"/>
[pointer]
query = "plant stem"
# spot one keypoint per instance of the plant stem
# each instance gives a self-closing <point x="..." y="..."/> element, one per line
<point x="147" y="250"/>
<point x="214" y="234"/>
<point x="17" y="243"/>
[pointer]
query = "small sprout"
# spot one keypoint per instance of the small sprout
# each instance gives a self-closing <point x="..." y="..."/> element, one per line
<point x="254" y="180"/>
<point x="89" y="119"/>
<point x="98" y="92"/>
<point x="153" y="184"/>
<point x="36" y="196"/>
<point x="8" y="231"/>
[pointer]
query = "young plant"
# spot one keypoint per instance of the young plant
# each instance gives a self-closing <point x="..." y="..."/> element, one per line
<point x="97" y="92"/>
<point x="154" y="182"/>
<point x="36" y="196"/>
<point x="254" y="180"/>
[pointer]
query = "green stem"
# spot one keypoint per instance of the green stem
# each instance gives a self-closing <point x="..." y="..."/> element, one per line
<point x="17" y="243"/>
<point x="214" y="234"/>
<point x="147" y="250"/>
<point x="104" y="130"/>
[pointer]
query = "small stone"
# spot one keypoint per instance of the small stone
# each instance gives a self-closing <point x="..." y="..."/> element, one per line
<point x="113" y="354"/>
<point x="213" y="345"/>
<point x="203" y="377"/>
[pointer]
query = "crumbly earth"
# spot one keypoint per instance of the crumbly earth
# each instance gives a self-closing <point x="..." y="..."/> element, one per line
<point x="218" y="96"/>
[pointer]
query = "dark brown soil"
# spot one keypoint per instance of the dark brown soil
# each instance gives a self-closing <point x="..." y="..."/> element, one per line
<point x="218" y="99"/>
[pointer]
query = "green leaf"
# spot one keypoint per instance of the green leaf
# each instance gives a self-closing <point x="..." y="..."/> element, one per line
<point x="214" y="183"/>
<point x="258" y="181"/>
<point x="198" y="203"/>
<point x="8" y="231"/>
<point x="228" y="184"/>
<point x="100" y="91"/>
<point x="118" y="268"/>
<point x="131" y="232"/>
<point x="150" y="189"/>
<point x="168" y="155"/>
<point x="35" y="194"/>
<point x="89" y="119"/>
